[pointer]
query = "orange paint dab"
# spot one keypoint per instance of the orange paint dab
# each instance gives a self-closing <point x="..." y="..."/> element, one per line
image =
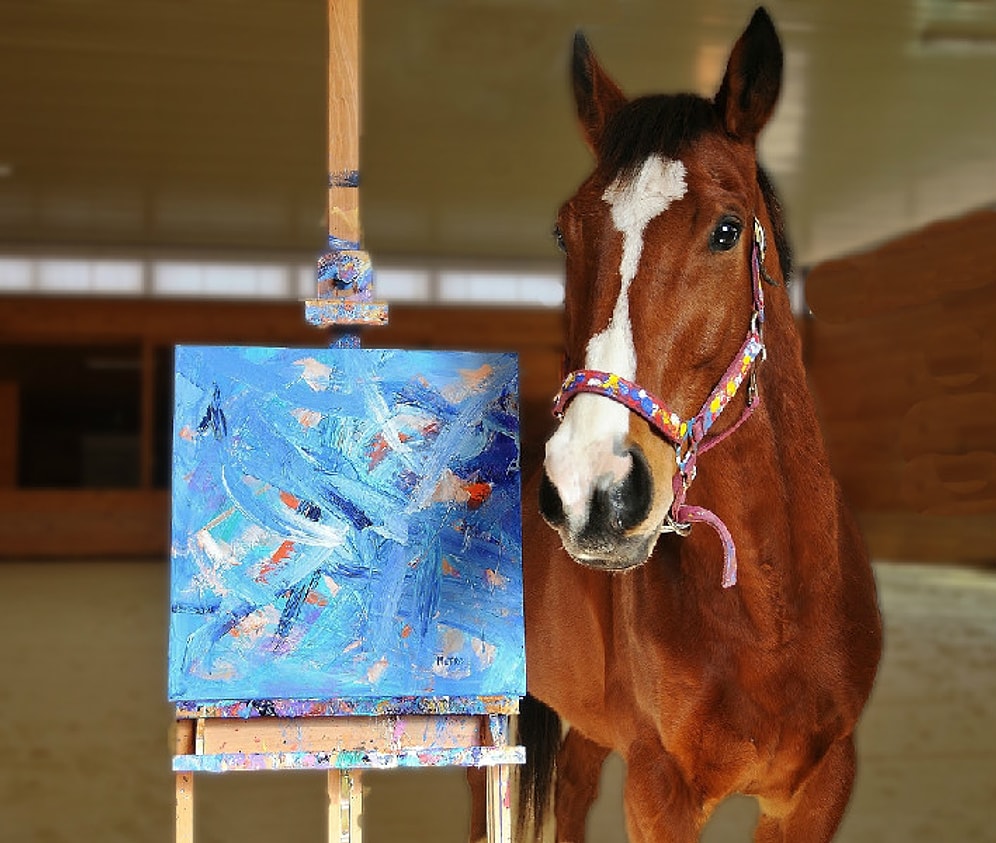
<point x="279" y="555"/>
<point x="479" y="493"/>
<point x="316" y="599"/>
<point x="290" y="501"/>
<point x="495" y="580"/>
<point x="448" y="569"/>
<point x="406" y="630"/>
<point x="378" y="450"/>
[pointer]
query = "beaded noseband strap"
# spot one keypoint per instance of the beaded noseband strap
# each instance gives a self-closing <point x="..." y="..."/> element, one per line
<point x="690" y="436"/>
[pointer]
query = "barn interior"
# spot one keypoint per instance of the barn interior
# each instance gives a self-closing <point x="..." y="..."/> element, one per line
<point x="163" y="181"/>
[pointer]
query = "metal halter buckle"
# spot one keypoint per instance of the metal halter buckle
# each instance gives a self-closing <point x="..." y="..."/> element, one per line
<point x="672" y="526"/>
<point x="752" y="386"/>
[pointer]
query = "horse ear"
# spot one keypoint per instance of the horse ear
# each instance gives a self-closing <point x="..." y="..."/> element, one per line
<point x="597" y="97"/>
<point x="753" y="79"/>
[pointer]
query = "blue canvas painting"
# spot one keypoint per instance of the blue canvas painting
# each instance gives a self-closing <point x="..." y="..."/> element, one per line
<point x="345" y="524"/>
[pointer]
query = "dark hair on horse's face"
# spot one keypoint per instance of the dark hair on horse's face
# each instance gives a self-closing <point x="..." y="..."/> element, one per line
<point x="668" y="125"/>
<point x="665" y="124"/>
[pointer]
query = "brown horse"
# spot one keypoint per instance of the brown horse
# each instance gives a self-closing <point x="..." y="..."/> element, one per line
<point x="703" y="604"/>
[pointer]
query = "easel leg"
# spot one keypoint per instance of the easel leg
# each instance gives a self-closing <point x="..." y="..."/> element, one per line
<point x="335" y="832"/>
<point x="355" y="806"/>
<point x="345" y="806"/>
<point x="499" y="805"/>
<point x="184" y="808"/>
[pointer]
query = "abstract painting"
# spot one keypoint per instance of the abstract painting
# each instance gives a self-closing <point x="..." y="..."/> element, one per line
<point x="345" y="524"/>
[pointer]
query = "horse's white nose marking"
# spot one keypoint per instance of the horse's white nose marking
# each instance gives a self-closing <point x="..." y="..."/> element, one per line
<point x="587" y="450"/>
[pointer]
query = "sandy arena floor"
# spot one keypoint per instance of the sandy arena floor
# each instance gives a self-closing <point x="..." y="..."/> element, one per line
<point x="85" y="755"/>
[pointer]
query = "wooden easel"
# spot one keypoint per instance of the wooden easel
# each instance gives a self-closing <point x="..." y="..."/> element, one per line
<point x="222" y="739"/>
<point x="346" y="737"/>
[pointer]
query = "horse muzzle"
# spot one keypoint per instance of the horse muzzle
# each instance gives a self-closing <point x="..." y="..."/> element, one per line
<point x="610" y="531"/>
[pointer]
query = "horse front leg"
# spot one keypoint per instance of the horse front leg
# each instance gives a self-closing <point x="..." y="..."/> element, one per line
<point x="579" y="766"/>
<point x="660" y="805"/>
<point x="816" y="809"/>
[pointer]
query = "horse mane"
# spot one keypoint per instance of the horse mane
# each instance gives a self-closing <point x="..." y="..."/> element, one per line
<point x="667" y="125"/>
<point x="777" y="216"/>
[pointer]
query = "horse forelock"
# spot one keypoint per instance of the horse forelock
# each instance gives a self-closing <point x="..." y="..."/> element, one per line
<point x="665" y="125"/>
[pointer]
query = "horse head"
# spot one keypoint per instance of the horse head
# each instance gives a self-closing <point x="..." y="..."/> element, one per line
<point x="660" y="240"/>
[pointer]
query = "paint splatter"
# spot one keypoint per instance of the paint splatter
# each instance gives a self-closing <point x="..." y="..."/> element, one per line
<point x="306" y="418"/>
<point x="452" y="489"/>
<point x="377" y="670"/>
<point x="317" y="375"/>
<point x="495" y="580"/>
<point x="280" y="555"/>
<point x="377" y="451"/>
<point x="477" y="494"/>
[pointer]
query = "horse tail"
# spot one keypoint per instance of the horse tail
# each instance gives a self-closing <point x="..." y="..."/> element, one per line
<point x="540" y="734"/>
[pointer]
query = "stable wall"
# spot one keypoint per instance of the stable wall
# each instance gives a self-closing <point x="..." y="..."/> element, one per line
<point x="901" y="353"/>
<point x="899" y="350"/>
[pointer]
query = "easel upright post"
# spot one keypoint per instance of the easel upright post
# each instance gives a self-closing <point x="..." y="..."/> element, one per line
<point x="184" y="745"/>
<point x="345" y="273"/>
<point x="345" y="806"/>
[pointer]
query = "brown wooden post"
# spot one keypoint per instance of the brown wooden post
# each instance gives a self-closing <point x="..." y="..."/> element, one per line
<point x="147" y="413"/>
<point x="344" y="121"/>
<point x="9" y="432"/>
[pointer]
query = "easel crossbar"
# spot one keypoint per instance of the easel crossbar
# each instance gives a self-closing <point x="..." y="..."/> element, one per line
<point x="334" y="734"/>
<point x="475" y="756"/>
<point x="372" y="707"/>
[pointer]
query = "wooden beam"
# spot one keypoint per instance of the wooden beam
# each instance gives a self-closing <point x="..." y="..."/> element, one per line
<point x="184" y="808"/>
<point x="336" y="734"/>
<point x="338" y="822"/>
<point x="40" y="523"/>
<point x="344" y="121"/>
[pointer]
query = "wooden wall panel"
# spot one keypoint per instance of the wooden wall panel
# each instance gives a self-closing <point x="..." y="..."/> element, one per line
<point x="902" y="358"/>
<point x="61" y="523"/>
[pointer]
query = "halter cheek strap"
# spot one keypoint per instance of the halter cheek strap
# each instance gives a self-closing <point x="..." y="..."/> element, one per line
<point x="692" y="436"/>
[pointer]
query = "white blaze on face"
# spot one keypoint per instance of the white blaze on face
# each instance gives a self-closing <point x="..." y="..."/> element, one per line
<point x="586" y="452"/>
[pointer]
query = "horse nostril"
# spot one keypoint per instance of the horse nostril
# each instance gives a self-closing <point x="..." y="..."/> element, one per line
<point x="551" y="506"/>
<point x="631" y="499"/>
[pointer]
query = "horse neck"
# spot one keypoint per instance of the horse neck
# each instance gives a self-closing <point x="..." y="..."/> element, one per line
<point x="771" y="485"/>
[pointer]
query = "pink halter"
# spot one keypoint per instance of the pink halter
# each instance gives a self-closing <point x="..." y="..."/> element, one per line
<point x="690" y="436"/>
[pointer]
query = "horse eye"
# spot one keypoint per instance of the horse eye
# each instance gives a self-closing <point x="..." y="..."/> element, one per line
<point x="558" y="237"/>
<point x="725" y="235"/>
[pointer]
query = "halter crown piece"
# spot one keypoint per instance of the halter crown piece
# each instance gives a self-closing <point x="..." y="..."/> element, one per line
<point x="690" y="437"/>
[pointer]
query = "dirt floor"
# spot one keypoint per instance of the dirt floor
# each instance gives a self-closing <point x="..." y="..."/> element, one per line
<point x="85" y="751"/>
